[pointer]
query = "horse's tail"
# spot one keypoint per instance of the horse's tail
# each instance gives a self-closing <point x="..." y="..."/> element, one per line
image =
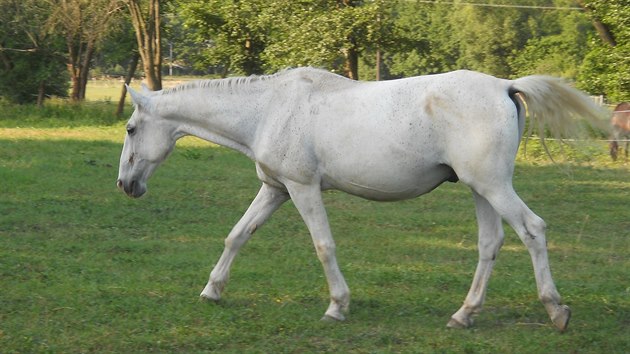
<point x="553" y="104"/>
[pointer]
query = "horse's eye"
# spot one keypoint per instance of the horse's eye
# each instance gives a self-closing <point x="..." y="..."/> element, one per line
<point x="131" y="130"/>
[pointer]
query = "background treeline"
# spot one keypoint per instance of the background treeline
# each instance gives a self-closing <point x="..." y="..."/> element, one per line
<point x="53" y="47"/>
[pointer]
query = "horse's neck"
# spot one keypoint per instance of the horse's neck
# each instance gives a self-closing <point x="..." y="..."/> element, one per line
<point x="224" y="116"/>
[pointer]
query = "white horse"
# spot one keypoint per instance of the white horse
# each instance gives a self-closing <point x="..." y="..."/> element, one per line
<point x="308" y="130"/>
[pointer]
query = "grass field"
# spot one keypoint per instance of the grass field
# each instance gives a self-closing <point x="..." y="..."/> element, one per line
<point x="85" y="269"/>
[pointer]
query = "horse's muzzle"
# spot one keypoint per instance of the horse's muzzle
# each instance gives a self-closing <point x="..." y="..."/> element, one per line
<point x="133" y="189"/>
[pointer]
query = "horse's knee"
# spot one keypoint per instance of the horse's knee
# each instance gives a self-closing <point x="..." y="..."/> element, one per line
<point x="533" y="233"/>
<point x="325" y="250"/>
<point x="489" y="246"/>
<point x="536" y="225"/>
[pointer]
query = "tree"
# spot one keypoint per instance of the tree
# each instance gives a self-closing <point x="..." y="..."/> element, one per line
<point x="606" y="67"/>
<point x="557" y="47"/>
<point x="149" y="38"/>
<point x="230" y="35"/>
<point x="414" y="38"/>
<point x="83" y="24"/>
<point x="256" y="36"/>
<point x="424" y="42"/>
<point x="596" y="10"/>
<point x="31" y="58"/>
<point x="327" y="33"/>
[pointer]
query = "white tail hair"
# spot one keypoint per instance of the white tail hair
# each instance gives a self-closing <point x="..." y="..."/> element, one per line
<point x="551" y="103"/>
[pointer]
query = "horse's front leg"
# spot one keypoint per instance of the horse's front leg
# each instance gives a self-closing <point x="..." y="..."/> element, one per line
<point x="308" y="201"/>
<point x="490" y="241"/>
<point x="268" y="200"/>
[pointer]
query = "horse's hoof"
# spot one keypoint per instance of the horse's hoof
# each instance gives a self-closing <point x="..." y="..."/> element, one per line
<point x="562" y="317"/>
<point x="210" y="293"/>
<point x="454" y="323"/>
<point x="333" y="316"/>
<point x="204" y="298"/>
<point x="331" y="319"/>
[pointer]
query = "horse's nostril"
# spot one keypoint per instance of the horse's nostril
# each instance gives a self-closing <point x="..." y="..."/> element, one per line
<point x="119" y="184"/>
<point x="132" y="186"/>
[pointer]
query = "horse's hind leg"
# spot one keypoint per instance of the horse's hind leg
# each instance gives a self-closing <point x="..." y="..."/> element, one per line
<point x="268" y="200"/>
<point x="614" y="147"/>
<point x="490" y="241"/>
<point x="531" y="230"/>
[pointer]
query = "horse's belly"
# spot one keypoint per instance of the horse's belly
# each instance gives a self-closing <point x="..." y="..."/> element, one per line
<point x="389" y="185"/>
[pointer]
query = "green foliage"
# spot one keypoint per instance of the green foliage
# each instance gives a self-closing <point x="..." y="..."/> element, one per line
<point x="422" y="47"/>
<point x="605" y="68"/>
<point x="604" y="71"/>
<point x="232" y="37"/>
<point x="230" y="33"/>
<point x="557" y="47"/>
<point x="322" y="33"/>
<point x="31" y="59"/>
<point x="413" y="38"/>
<point x="86" y="269"/>
<point x="20" y="83"/>
<point x="487" y="48"/>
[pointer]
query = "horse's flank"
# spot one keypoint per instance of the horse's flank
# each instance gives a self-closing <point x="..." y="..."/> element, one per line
<point x="620" y="124"/>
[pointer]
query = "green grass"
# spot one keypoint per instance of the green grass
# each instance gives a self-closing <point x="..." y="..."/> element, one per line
<point x="108" y="90"/>
<point x="98" y="109"/>
<point x="85" y="269"/>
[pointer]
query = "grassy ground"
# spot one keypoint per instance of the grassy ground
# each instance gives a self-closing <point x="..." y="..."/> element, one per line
<point x="85" y="269"/>
<point x="110" y="89"/>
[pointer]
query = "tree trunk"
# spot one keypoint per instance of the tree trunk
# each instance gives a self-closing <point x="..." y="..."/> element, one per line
<point x="74" y="79"/>
<point x="149" y="40"/>
<point x="84" y="70"/>
<point x="41" y="93"/>
<point x="378" y="64"/>
<point x="133" y="63"/>
<point x="8" y="64"/>
<point x="602" y="29"/>
<point x="351" y="65"/>
<point x="74" y="53"/>
<point x="84" y="24"/>
<point x="79" y="69"/>
<point x="604" y="33"/>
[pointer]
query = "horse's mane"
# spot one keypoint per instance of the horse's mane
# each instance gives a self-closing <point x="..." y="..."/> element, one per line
<point x="242" y="82"/>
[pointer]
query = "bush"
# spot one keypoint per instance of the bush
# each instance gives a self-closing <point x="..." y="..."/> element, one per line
<point x="20" y="81"/>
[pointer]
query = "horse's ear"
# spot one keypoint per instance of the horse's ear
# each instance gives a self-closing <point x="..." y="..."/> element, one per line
<point x="145" y="89"/>
<point x="138" y="99"/>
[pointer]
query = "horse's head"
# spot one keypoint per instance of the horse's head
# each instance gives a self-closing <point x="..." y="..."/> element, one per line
<point x="150" y="139"/>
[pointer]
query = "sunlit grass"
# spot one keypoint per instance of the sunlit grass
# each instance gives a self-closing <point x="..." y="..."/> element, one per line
<point x="85" y="269"/>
